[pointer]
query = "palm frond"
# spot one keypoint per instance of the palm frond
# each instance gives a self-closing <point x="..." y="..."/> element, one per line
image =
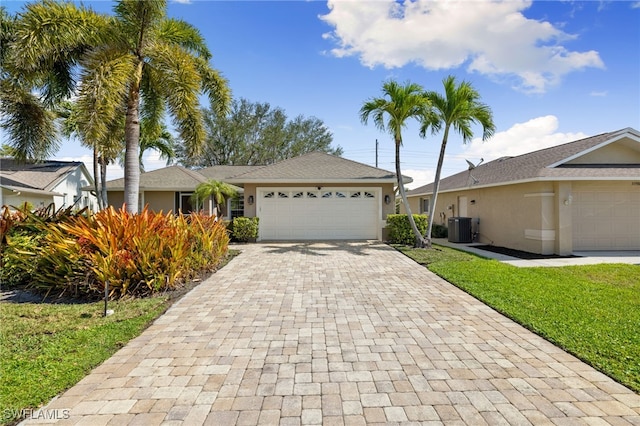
<point x="183" y="34"/>
<point x="29" y="124"/>
<point x="103" y="91"/>
<point x="182" y="82"/>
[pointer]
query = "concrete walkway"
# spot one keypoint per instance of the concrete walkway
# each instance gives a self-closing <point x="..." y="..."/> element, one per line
<point x="581" y="258"/>
<point x="345" y="333"/>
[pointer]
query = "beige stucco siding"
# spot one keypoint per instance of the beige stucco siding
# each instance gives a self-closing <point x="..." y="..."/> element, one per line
<point x="115" y="198"/>
<point x="160" y="200"/>
<point x="521" y="216"/>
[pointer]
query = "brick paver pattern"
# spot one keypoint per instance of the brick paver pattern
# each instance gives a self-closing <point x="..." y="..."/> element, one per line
<point x="340" y="334"/>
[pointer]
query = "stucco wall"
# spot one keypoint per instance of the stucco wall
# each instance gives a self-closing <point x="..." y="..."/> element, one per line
<point x="521" y="216"/>
<point x="160" y="200"/>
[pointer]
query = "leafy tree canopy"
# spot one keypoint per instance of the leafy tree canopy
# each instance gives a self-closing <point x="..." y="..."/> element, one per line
<point x="257" y="134"/>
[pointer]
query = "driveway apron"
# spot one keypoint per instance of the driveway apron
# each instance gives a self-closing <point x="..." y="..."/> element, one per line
<point x="339" y="333"/>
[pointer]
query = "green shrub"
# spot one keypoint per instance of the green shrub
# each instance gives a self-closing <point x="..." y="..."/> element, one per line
<point x="245" y="228"/>
<point x="439" y="231"/>
<point x="137" y="254"/>
<point x="399" y="228"/>
<point x="17" y="265"/>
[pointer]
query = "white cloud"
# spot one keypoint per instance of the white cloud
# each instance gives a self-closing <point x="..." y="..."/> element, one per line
<point x="635" y="5"/>
<point x="599" y="94"/>
<point x="533" y="135"/>
<point x="420" y="177"/>
<point x="491" y="37"/>
<point x="182" y="1"/>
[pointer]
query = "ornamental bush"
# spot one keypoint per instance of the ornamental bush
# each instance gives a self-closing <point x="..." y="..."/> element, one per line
<point x="245" y="228"/>
<point x="136" y="254"/>
<point x="399" y="228"/>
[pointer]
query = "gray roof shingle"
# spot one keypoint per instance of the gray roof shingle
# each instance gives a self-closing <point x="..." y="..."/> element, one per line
<point x="316" y="167"/>
<point x="172" y="178"/>
<point x="544" y="164"/>
<point x="41" y="176"/>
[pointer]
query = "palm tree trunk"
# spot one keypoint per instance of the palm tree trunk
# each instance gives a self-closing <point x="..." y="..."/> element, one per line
<point x="103" y="182"/>
<point x="96" y="178"/>
<point x="132" y="144"/>
<point x="436" y="184"/>
<point x="419" y="240"/>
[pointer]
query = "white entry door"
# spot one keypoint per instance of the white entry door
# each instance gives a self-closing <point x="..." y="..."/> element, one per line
<point x="319" y="214"/>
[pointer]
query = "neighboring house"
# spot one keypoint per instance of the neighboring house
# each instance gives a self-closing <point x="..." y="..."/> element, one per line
<point x="315" y="196"/>
<point x="580" y="196"/>
<point x="46" y="182"/>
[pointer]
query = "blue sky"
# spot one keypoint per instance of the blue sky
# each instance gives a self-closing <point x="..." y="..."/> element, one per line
<point x="552" y="71"/>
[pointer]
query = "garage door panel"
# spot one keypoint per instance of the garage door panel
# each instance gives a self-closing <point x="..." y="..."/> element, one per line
<point x="309" y="214"/>
<point x="606" y="216"/>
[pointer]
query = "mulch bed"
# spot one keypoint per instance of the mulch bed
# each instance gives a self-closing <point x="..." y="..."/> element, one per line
<point x="521" y="254"/>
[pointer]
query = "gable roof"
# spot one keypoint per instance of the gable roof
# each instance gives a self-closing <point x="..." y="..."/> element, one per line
<point x="560" y="162"/>
<point x="316" y="167"/>
<point x="172" y="178"/>
<point x="36" y="177"/>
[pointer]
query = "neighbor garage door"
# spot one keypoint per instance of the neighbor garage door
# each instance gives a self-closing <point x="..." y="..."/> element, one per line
<point x="312" y="214"/>
<point x="606" y="216"/>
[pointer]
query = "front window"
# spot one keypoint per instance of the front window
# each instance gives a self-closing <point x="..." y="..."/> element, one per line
<point x="424" y="207"/>
<point x="236" y="207"/>
<point x="183" y="202"/>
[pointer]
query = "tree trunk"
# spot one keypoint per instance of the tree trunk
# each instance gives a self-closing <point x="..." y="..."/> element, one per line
<point x="103" y="183"/>
<point x="436" y="184"/>
<point x="132" y="144"/>
<point x="419" y="240"/>
<point x="97" y="177"/>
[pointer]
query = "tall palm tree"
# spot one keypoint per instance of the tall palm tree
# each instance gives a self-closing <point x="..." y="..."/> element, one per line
<point x="459" y="107"/>
<point x="216" y="189"/>
<point x="164" y="143"/>
<point x="390" y="113"/>
<point x="137" y="64"/>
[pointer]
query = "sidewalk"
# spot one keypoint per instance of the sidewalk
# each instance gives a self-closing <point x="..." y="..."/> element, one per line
<point x="583" y="258"/>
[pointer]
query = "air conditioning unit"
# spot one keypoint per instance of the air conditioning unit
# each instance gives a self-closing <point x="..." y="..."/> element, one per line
<point x="460" y="230"/>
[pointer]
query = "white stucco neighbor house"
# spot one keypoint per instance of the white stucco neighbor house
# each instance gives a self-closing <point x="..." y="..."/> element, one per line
<point x="579" y="196"/>
<point x="45" y="182"/>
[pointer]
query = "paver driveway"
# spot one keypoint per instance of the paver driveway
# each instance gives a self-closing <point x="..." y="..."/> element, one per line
<point x="345" y="333"/>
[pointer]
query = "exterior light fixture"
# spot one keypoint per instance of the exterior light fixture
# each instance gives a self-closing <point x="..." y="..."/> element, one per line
<point x="250" y="200"/>
<point x="387" y="199"/>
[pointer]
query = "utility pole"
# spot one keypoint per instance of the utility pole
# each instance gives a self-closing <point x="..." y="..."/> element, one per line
<point x="376" y="153"/>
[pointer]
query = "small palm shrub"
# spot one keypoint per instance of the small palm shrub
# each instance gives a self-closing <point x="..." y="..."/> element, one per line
<point x="399" y="228"/>
<point x="245" y="228"/>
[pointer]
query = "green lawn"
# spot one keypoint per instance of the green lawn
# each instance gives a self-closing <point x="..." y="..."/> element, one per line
<point x="590" y="311"/>
<point x="47" y="348"/>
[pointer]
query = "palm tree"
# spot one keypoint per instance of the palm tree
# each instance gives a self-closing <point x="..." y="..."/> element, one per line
<point x="164" y="143"/>
<point x="459" y="107"/>
<point x="216" y="189"/>
<point x="136" y="64"/>
<point x="390" y="113"/>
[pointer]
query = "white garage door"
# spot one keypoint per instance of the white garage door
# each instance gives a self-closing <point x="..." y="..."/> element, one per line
<point x="312" y="214"/>
<point x="606" y="216"/>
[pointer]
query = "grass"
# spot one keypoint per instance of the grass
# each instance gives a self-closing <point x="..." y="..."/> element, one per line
<point x="591" y="311"/>
<point x="47" y="348"/>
